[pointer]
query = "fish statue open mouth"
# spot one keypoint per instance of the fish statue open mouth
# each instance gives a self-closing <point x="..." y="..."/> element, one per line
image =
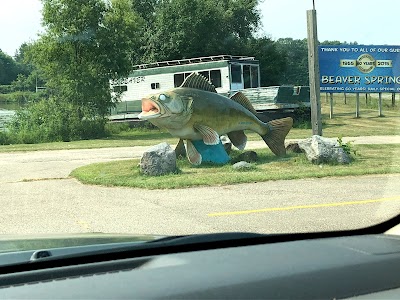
<point x="150" y="109"/>
<point x="195" y="111"/>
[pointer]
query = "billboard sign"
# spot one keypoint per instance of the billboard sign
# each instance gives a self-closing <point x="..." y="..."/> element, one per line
<point x="359" y="69"/>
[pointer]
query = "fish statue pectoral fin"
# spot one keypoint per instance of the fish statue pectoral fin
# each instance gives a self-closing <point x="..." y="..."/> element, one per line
<point x="210" y="136"/>
<point x="275" y="138"/>
<point x="192" y="154"/>
<point x="238" y="139"/>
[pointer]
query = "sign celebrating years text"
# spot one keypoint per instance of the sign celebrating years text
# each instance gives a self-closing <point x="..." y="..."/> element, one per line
<point x="359" y="69"/>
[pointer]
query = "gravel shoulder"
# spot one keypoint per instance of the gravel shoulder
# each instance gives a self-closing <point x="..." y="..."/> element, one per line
<point x="37" y="196"/>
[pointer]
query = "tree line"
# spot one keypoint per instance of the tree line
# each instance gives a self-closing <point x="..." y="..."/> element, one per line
<point x="87" y="43"/>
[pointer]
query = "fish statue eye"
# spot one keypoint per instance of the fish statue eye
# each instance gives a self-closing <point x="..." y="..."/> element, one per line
<point x="162" y="97"/>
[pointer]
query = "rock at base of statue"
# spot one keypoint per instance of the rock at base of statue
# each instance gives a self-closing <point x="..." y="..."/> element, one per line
<point x="158" y="160"/>
<point x="294" y="147"/>
<point x="324" y="150"/>
<point x="248" y="156"/>
<point x="212" y="153"/>
<point x="242" y="165"/>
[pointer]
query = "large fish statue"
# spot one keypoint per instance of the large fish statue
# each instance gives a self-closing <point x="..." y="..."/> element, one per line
<point x="195" y="111"/>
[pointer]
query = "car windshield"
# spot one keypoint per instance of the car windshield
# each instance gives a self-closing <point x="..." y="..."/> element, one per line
<point x="177" y="117"/>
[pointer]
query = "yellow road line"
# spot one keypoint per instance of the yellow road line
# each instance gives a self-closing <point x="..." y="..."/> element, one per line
<point x="252" y="211"/>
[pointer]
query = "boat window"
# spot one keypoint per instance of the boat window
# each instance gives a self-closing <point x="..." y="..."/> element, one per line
<point x="178" y="79"/>
<point x="250" y="76"/>
<point x="236" y="73"/>
<point x="206" y="74"/>
<point x="246" y="76"/>
<point x="155" y="85"/>
<point x="254" y="76"/>
<point x="215" y="77"/>
<point x="120" y="88"/>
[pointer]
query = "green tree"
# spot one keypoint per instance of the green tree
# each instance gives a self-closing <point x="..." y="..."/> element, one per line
<point x="272" y="62"/>
<point x="326" y="42"/>
<point x="179" y="29"/>
<point x="146" y="9"/>
<point x="85" y="44"/>
<point x="18" y="72"/>
<point x="25" y="65"/>
<point x="21" y="83"/>
<point x="184" y="29"/>
<point x="8" y="68"/>
<point x="296" y="52"/>
<point x="20" y="54"/>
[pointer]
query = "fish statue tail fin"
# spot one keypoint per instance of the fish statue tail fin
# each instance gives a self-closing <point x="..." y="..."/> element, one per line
<point x="275" y="138"/>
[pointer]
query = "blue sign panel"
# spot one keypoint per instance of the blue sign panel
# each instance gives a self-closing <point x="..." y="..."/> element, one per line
<point x="359" y="69"/>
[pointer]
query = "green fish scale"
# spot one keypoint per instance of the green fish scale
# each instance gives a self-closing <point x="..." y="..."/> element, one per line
<point x="220" y="113"/>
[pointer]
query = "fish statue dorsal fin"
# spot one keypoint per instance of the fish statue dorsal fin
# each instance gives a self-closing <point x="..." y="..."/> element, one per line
<point x="238" y="97"/>
<point x="198" y="81"/>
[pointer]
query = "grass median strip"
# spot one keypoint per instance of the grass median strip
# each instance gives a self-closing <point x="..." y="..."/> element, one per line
<point x="371" y="159"/>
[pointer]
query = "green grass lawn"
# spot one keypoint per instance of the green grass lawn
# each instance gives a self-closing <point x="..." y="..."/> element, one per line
<point x="369" y="123"/>
<point x="134" y="137"/>
<point x="370" y="159"/>
<point x="344" y="123"/>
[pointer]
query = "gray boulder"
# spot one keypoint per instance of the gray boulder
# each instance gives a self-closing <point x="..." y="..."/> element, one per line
<point x="324" y="150"/>
<point x="242" y="165"/>
<point x="294" y="147"/>
<point x="158" y="160"/>
<point x="248" y="156"/>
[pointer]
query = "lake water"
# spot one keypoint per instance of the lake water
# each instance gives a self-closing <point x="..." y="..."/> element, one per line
<point x="7" y="110"/>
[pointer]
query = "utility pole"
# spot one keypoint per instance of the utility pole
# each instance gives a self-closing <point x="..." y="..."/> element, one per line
<point x="313" y="70"/>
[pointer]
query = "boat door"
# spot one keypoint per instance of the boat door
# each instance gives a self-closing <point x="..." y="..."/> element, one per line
<point x="244" y="76"/>
<point x="236" y="76"/>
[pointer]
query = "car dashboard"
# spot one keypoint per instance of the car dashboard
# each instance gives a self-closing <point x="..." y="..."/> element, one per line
<point x="362" y="266"/>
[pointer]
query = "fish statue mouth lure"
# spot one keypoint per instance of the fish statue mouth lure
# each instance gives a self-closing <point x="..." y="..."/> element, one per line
<point x="195" y="111"/>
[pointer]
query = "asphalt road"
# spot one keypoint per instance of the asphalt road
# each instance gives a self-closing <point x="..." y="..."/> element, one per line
<point x="37" y="196"/>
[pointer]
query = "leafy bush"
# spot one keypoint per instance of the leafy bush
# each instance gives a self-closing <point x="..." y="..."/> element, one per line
<point x="347" y="147"/>
<point x="3" y="98"/>
<point x="115" y="128"/>
<point x="5" y="89"/>
<point x="144" y="125"/>
<point x="49" y="120"/>
<point x="4" y="138"/>
<point x="302" y="117"/>
<point x="118" y="127"/>
<point x="21" y="97"/>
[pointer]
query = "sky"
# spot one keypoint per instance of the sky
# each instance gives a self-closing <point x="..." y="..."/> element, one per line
<point x="369" y="22"/>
